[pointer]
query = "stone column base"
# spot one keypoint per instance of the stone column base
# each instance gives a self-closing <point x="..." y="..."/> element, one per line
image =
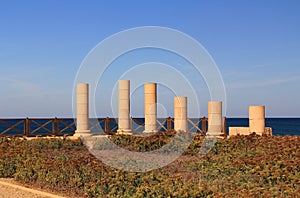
<point x="208" y="133"/>
<point x="83" y="133"/>
<point x="124" y="132"/>
<point x="215" y="136"/>
<point x="150" y="131"/>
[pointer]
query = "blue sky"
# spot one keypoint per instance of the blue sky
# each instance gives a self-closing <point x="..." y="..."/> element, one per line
<point x="255" y="44"/>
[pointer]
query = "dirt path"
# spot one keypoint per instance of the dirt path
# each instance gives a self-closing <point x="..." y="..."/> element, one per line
<point x="9" y="189"/>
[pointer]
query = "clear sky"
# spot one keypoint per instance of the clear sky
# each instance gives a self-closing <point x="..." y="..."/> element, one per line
<point x="256" y="45"/>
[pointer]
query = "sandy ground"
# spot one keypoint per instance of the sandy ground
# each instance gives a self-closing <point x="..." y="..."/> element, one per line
<point x="11" y="189"/>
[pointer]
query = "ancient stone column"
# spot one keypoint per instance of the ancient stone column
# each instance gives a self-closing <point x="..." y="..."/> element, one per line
<point x="82" y="110"/>
<point x="124" y="126"/>
<point x="180" y="113"/>
<point x="257" y="119"/>
<point x="150" y="109"/>
<point x="215" y="118"/>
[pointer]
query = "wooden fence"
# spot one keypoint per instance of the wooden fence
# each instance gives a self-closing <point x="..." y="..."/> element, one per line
<point x="37" y="127"/>
<point x="66" y="126"/>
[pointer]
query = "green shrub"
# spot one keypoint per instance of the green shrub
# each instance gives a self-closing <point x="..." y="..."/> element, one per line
<point x="251" y="166"/>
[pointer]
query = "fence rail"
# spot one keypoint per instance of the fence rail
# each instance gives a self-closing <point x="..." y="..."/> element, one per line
<point x="66" y="126"/>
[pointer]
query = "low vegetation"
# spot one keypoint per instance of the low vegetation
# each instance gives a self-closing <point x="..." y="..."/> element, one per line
<point x="241" y="166"/>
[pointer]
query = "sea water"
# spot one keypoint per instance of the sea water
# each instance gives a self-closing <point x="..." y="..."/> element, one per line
<point x="280" y="126"/>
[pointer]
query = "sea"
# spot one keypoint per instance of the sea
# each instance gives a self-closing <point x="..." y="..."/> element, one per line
<point x="280" y="126"/>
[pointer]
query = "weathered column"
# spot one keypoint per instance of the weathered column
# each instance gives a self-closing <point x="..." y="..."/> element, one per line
<point x="257" y="119"/>
<point x="215" y="118"/>
<point x="150" y="109"/>
<point x="180" y="113"/>
<point x="82" y="110"/>
<point x="124" y="126"/>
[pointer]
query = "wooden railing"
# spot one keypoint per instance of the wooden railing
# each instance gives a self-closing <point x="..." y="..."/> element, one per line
<point x="66" y="126"/>
<point x="37" y="127"/>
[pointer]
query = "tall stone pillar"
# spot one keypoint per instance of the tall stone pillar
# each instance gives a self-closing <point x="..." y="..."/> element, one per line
<point x="257" y="119"/>
<point x="82" y="110"/>
<point x="180" y="113"/>
<point x="215" y="120"/>
<point x="124" y="125"/>
<point x="150" y="109"/>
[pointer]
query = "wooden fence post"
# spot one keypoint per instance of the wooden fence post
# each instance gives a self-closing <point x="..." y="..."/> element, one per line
<point x="26" y="126"/>
<point x="107" y="125"/>
<point x="169" y="124"/>
<point x="224" y="127"/>
<point x="55" y="128"/>
<point x="204" y="126"/>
